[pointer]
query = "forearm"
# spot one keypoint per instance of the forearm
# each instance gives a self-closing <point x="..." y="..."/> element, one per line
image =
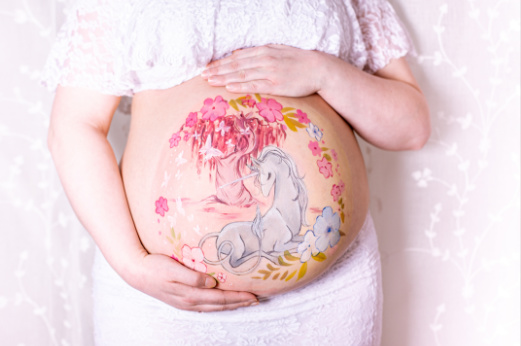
<point x="90" y="176"/>
<point x="389" y="113"/>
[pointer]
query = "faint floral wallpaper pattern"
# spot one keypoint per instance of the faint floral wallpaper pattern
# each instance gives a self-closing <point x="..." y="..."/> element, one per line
<point x="448" y="216"/>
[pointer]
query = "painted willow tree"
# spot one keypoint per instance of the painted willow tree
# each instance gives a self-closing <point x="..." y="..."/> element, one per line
<point x="225" y="139"/>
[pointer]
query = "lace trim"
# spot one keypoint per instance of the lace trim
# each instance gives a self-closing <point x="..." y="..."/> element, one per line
<point x="122" y="47"/>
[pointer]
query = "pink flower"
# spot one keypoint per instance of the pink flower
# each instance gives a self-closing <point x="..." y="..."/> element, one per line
<point x="335" y="155"/>
<point x="337" y="190"/>
<point x="186" y="137"/>
<point x="174" y="140"/>
<point x="270" y="110"/>
<point x="248" y="101"/>
<point x="193" y="258"/>
<point x="325" y="167"/>
<point x="315" y="148"/>
<point x="214" y="109"/>
<point x="161" y="206"/>
<point x="191" y="120"/>
<point x="302" y="117"/>
<point x="221" y="277"/>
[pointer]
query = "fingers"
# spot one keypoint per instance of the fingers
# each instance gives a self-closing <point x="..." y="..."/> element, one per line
<point x="239" y="54"/>
<point x="197" y="299"/>
<point x="239" y="76"/>
<point x="261" y="86"/>
<point x="181" y="274"/>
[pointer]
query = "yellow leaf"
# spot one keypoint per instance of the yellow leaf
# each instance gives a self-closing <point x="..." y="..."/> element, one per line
<point x="293" y="115"/>
<point x="289" y="256"/>
<point x="270" y="267"/>
<point x="291" y="275"/>
<point x="342" y="216"/>
<point x="287" y="109"/>
<point x="302" y="271"/>
<point x="324" y="149"/>
<point x="234" y="105"/>
<point x="319" y="257"/>
<point x="169" y="239"/>
<point x="282" y="263"/>
<point x="293" y="124"/>
<point x="284" y="275"/>
<point x="327" y="157"/>
<point x="275" y="276"/>
<point x="259" y="98"/>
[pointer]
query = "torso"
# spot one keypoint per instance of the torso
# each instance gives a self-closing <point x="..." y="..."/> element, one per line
<point x="262" y="192"/>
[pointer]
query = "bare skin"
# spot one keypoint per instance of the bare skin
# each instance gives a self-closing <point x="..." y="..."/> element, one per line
<point x="88" y="168"/>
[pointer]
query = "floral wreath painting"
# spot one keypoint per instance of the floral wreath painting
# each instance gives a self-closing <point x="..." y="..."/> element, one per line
<point x="241" y="140"/>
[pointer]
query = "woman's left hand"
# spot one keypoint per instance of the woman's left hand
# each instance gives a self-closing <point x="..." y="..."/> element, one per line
<point x="273" y="69"/>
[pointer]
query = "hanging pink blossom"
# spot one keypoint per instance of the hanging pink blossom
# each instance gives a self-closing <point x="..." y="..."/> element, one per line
<point x="270" y="110"/>
<point x="334" y="154"/>
<point x="161" y="206"/>
<point x="248" y="101"/>
<point x="302" y="117"/>
<point x="174" y="140"/>
<point x="337" y="190"/>
<point x="191" y="120"/>
<point x="325" y="167"/>
<point x="187" y="136"/>
<point x="214" y="109"/>
<point x="315" y="148"/>
<point x="221" y="277"/>
<point x="193" y="258"/>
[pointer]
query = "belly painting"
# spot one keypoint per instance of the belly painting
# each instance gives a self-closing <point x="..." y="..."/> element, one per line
<point x="264" y="193"/>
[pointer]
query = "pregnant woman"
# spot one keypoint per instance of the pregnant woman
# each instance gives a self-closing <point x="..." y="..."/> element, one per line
<point x="242" y="184"/>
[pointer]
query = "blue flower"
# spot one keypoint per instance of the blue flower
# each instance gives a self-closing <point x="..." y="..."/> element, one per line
<point x="314" y="132"/>
<point x="326" y="228"/>
<point x="307" y="248"/>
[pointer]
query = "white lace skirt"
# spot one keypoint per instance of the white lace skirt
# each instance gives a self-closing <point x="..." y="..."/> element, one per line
<point x="342" y="307"/>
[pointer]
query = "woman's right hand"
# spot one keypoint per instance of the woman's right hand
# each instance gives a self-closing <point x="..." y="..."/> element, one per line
<point x="90" y="175"/>
<point x="165" y="279"/>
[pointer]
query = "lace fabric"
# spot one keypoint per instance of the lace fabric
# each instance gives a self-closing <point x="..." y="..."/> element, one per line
<point x="123" y="47"/>
<point x="342" y="307"/>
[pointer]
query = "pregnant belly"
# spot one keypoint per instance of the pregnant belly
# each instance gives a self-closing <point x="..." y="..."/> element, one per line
<point x="264" y="193"/>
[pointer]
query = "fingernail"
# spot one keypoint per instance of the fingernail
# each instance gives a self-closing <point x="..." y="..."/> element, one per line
<point x="210" y="283"/>
<point x="204" y="73"/>
<point x="212" y="79"/>
<point x="253" y="303"/>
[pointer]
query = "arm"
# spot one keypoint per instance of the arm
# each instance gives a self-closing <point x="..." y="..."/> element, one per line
<point x="90" y="175"/>
<point x="387" y="109"/>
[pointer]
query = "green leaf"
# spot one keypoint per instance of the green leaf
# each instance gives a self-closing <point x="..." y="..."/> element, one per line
<point x="270" y="267"/>
<point x="319" y="257"/>
<point x="342" y="216"/>
<point x="287" y="109"/>
<point x="259" y="98"/>
<point x="282" y="263"/>
<point x="234" y="105"/>
<point x="289" y="256"/>
<point x="327" y="157"/>
<point x="212" y="274"/>
<point x="291" y="275"/>
<point x="302" y="271"/>
<point x="324" y="149"/>
<point x="172" y="232"/>
<point x="169" y="239"/>
<point x="340" y="201"/>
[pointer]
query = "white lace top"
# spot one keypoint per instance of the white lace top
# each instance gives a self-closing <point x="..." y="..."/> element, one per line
<point x="121" y="47"/>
